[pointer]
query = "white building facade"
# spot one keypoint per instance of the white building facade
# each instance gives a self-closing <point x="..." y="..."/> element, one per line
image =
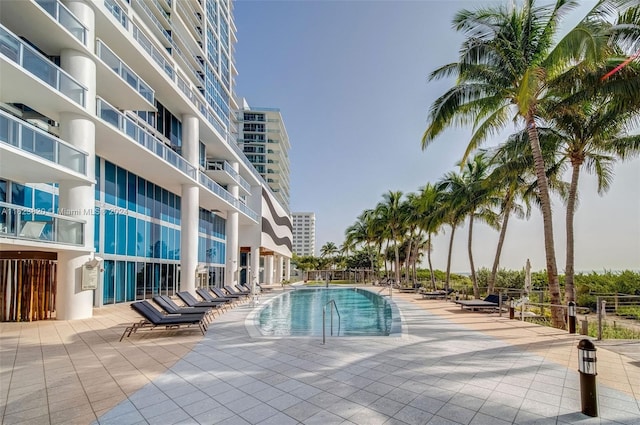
<point x="117" y="142"/>
<point x="304" y="233"/>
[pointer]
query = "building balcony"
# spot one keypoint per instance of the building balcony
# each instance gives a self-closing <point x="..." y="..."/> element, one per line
<point x="64" y="17"/>
<point x="46" y="23"/>
<point x="142" y="137"/>
<point x="26" y="76"/>
<point x="30" y="154"/>
<point x="118" y="80"/>
<point x="214" y="187"/>
<point x="36" y="225"/>
<point x="224" y="173"/>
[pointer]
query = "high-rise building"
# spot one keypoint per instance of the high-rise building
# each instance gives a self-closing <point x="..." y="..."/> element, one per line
<point x="120" y="174"/>
<point x="264" y="140"/>
<point x="304" y="233"/>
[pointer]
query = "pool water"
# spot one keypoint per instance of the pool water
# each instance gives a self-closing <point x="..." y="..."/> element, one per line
<point x="299" y="313"/>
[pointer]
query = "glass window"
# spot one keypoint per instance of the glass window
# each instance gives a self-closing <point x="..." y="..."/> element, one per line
<point x="132" y="192"/>
<point x="131" y="236"/>
<point x="120" y="281"/>
<point x="44" y="200"/>
<point x="141" y="244"/>
<point x="142" y="196"/>
<point x="140" y="280"/>
<point x="122" y="187"/>
<point x="109" y="183"/>
<point x="108" y="282"/>
<point x="157" y="202"/>
<point x="131" y="281"/>
<point x="121" y="239"/>
<point x="164" y="244"/>
<point x="164" y="213"/>
<point x="155" y="241"/>
<point x="109" y="232"/>
<point x="98" y="178"/>
<point x="96" y="229"/>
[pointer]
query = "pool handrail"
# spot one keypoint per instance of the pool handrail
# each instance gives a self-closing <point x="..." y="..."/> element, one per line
<point x="333" y="304"/>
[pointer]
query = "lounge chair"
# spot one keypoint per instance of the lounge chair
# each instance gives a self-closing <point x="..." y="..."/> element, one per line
<point x="192" y="301"/>
<point x="440" y="294"/>
<point x="491" y="302"/>
<point x="154" y="318"/>
<point x="232" y="291"/>
<point x="168" y="305"/>
<point x="206" y="295"/>
<point x="222" y="295"/>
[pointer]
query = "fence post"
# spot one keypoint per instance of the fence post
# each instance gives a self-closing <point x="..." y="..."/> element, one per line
<point x="602" y="305"/>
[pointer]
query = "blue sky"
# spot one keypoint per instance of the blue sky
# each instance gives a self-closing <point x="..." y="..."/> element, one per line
<point x="350" y="78"/>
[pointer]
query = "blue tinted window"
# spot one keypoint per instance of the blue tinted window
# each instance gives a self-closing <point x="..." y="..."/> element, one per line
<point x="131" y="281"/>
<point x="164" y="244"/>
<point x="131" y="235"/>
<point x="98" y="178"/>
<point x="122" y="187"/>
<point x="109" y="183"/>
<point x="120" y="281"/>
<point x="132" y="192"/>
<point x="107" y="289"/>
<point x="142" y="196"/>
<point x="44" y="200"/>
<point x="141" y="244"/>
<point x="109" y="232"/>
<point x="96" y="229"/>
<point x="121" y="239"/>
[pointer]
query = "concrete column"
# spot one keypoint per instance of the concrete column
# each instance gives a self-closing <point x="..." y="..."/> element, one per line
<point x="255" y="267"/>
<point x="190" y="207"/>
<point x="77" y="199"/>
<point x="232" y="234"/>
<point x="278" y="276"/>
<point x="189" y="219"/>
<point x="287" y="268"/>
<point x="268" y="270"/>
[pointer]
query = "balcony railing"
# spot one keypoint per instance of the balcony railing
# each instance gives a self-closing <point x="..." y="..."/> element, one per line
<point x="64" y="17"/>
<point x="117" y="12"/>
<point x="40" y="67"/>
<point x="119" y="67"/>
<point x="226" y="167"/>
<point x="37" y="142"/>
<point x="40" y="225"/>
<point x="155" y="54"/>
<point x="219" y="190"/>
<point x="130" y="128"/>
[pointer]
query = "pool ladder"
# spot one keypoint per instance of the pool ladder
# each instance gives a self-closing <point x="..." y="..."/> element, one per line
<point x="333" y="305"/>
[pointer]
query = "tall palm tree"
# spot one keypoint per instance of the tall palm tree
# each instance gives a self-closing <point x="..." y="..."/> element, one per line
<point x="451" y="210"/>
<point x="430" y="199"/>
<point x="473" y="197"/>
<point x="513" y="169"/>
<point x="389" y="210"/>
<point x="506" y="65"/>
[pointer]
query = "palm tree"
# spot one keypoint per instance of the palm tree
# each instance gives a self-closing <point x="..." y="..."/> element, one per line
<point x="389" y="211"/>
<point x="430" y="200"/>
<point x="473" y="197"/>
<point x="514" y="171"/>
<point x="451" y="210"/>
<point x="506" y="65"/>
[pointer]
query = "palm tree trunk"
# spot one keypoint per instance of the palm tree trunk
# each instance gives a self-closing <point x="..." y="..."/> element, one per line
<point x="503" y="233"/>
<point x="569" y="291"/>
<point x="474" y="280"/>
<point x="557" y="312"/>
<point x="408" y="261"/>
<point x="446" y="282"/>
<point x="433" y="278"/>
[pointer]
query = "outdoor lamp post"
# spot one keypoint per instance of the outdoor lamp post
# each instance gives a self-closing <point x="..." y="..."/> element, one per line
<point x="587" y="368"/>
<point x="572" y="317"/>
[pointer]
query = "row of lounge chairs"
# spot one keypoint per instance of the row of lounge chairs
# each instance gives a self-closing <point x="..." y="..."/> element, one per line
<point x="194" y="312"/>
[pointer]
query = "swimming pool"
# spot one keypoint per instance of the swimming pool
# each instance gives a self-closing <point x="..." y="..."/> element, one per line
<point x="299" y="313"/>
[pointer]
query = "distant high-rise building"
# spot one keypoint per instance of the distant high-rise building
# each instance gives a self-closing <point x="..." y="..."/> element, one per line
<point x="264" y="140"/>
<point x="304" y="233"/>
